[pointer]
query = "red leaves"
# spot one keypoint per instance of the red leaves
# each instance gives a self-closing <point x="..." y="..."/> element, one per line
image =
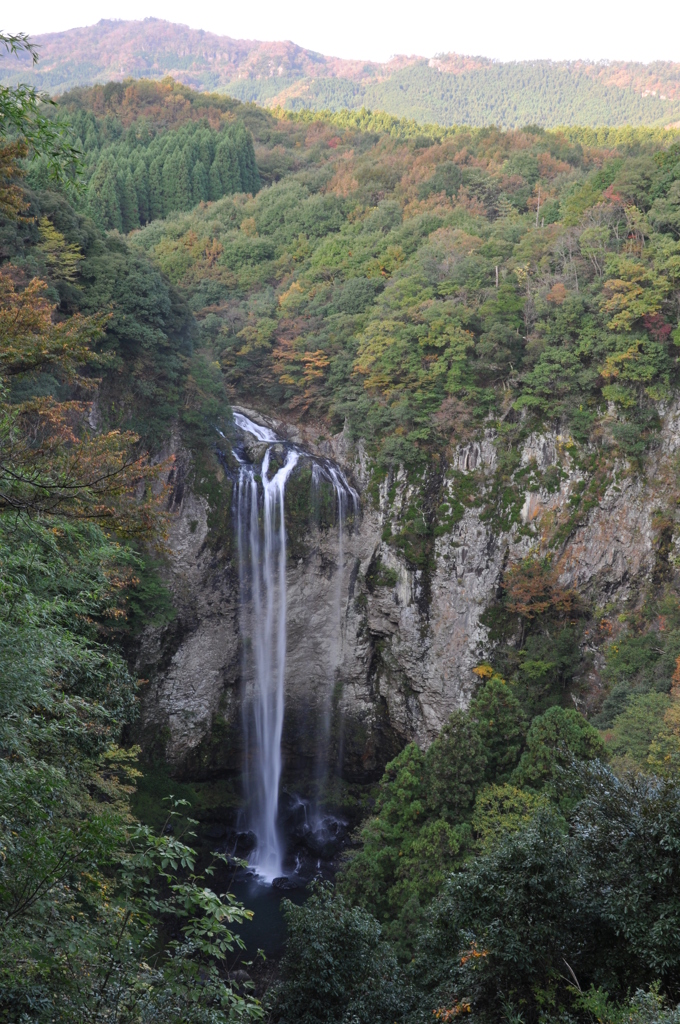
<point x="532" y="589"/>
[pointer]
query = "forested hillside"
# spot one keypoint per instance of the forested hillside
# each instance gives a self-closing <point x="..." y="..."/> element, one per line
<point x="103" y="918"/>
<point x="418" y="287"/>
<point x="447" y="89"/>
<point x="135" y="178"/>
<point x="413" y="285"/>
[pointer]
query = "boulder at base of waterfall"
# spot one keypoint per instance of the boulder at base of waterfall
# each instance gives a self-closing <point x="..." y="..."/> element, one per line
<point x="284" y="884"/>
<point x="255" y="448"/>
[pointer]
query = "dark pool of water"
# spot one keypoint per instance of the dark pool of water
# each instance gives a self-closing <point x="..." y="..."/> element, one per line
<point x="312" y="846"/>
<point x="267" y="930"/>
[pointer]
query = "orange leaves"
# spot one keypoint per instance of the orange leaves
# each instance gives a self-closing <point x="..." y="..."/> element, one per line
<point x="51" y="463"/>
<point x="445" y="1014"/>
<point x="302" y="370"/>
<point x="30" y="340"/>
<point x="386" y="264"/>
<point x="473" y="954"/>
<point x="12" y="198"/>
<point x="212" y="252"/>
<point x="557" y="294"/>
<point x="532" y="589"/>
<point x="549" y="167"/>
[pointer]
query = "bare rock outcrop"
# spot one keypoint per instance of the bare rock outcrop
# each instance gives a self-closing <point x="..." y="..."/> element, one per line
<point x="382" y="645"/>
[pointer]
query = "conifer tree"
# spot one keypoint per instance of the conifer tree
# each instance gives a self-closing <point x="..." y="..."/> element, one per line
<point x="199" y="183"/>
<point x="250" y="178"/>
<point x="156" y="199"/>
<point x="103" y="200"/>
<point x="173" y="170"/>
<point x="215" y="182"/>
<point x="141" y="180"/>
<point x="176" y="182"/>
<point x="206" y="148"/>
<point x="110" y="203"/>
<point x="252" y="183"/>
<point x="227" y="162"/>
<point x="128" y="201"/>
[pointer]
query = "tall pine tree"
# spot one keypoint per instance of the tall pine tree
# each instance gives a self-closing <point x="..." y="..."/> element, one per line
<point x="141" y="180"/>
<point x="156" y="198"/>
<point x="199" y="183"/>
<point x="215" y="182"/>
<point x="128" y="201"/>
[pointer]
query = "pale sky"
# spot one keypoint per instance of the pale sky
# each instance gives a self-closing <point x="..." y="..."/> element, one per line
<point x="375" y="30"/>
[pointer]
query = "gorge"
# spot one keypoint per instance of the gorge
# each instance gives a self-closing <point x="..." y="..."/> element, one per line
<point x="313" y="645"/>
<point x="339" y="571"/>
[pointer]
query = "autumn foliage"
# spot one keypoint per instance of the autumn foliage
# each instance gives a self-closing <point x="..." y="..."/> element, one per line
<point x="52" y="460"/>
<point x="532" y="589"/>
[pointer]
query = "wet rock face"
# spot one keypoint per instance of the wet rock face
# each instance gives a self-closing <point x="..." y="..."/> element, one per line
<point x="381" y="649"/>
<point x="192" y="664"/>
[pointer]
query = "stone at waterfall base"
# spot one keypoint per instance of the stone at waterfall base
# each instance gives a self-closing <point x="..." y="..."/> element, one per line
<point x="285" y="884"/>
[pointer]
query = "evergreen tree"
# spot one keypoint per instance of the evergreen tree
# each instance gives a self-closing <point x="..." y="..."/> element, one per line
<point x="103" y="199"/>
<point x="206" y="147"/>
<point x="173" y="170"/>
<point x="94" y="198"/>
<point x="244" y="170"/>
<point x="253" y="183"/>
<point x="454" y="767"/>
<point x="501" y="726"/>
<point x="111" y="213"/>
<point x="199" y="183"/>
<point x="128" y="201"/>
<point x="250" y="178"/>
<point x="141" y="180"/>
<point x="176" y="182"/>
<point x="227" y="163"/>
<point x="215" y="182"/>
<point x="156" y="198"/>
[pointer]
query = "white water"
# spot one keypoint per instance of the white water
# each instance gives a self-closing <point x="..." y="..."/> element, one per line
<point x="343" y="491"/>
<point x="262" y="573"/>
<point x="256" y="429"/>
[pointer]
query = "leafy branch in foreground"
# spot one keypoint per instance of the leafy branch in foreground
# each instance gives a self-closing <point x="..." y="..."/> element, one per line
<point x="24" y="113"/>
<point x="102" y="920"/>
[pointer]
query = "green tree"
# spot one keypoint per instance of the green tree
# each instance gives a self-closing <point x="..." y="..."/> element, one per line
<point x="176" y="182"/>
<point x="26" y="112"/>
<point x="215" y="182"/>
<point x="336" y="967"/>
<point x="141" y="183"/>
<point x="420" y="829"/>
<point x="555" y="739"/>
<point x="156" y="195"/>
<point x="129" y="211"/>
<point x="226" y="159"/>
<point x="455" y="765"/>
<point x="501" y="726"/>
<point x="199" y="183"/>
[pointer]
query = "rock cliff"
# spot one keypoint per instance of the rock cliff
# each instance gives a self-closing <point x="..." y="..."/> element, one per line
<point x="384" y="633"/>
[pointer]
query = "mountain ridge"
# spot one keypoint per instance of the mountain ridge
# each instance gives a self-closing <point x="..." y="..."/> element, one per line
<point x="447" y="88"/>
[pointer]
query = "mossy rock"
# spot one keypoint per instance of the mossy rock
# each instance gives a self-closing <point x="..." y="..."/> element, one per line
<point x="309" y="506"/>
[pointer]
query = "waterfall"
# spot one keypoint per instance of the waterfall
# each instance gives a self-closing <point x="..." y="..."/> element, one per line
<point x="261" y="540"/>
<point x="343" y="490"/>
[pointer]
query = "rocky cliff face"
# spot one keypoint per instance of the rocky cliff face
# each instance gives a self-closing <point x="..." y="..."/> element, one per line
<point x="383" y="635"/>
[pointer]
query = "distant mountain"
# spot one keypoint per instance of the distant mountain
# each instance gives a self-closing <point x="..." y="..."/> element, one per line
<point x="446" y="89"/>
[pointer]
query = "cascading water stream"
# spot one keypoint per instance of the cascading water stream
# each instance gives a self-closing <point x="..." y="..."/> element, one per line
<point x="343" y="491"/>
<point x="261" y="538"/>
